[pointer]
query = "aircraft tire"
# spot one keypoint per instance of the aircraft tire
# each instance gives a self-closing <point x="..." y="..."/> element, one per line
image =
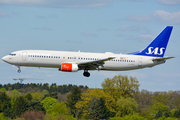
<point x="86" y="74"/>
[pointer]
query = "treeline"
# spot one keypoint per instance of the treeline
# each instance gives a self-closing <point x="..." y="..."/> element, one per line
<point x="50" y="88"/>
<point x="119" y="99"/>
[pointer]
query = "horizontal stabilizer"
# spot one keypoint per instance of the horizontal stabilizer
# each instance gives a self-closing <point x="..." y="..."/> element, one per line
<point x="164" y="58"/>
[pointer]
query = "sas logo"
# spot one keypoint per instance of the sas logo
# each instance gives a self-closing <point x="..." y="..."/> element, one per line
<point x="156" y="51"/>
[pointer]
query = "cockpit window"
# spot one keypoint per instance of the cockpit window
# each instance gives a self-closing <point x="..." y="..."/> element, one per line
<point x="12" y="54"/>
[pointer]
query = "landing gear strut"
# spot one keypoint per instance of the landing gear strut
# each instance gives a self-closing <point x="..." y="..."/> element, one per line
<point x="19" y="69"/>
<point x="86" y="73"/>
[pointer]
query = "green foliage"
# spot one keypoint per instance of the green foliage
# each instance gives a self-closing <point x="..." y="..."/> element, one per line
<point x="20" y="106"/>
<point x="2" y="117"/>
<point x="33" y="87"/>
<point x="164" y="118"/>
<point x="133" y="117"/>
<point x="35" y="105"/>
<point x="58" y="109"/>
<point x="177" y="113"/>
<point x="45" y="92"/>
<point x="86" y="98"/>
<point x="28" y="96"/>
<point x="126" y="106"/>
<point x="97" y="109"/>
<point x="49" y="102"/>
<point x="159" y="106"/>
<point x="60" y="117"/>
<point x="72" y="99"/>
<point x="120" y="86"/>
<point x="5" y="104"/>
<point x="166" y="114"/>
<point x="159" y="114"/>
<point x="3" y="89"/>
<point x="52" y="94"/>
<point x="14" y="94"/>
<point x="37" y="95"/>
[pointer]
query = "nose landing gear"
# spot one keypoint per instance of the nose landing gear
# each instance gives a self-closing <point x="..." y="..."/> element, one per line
<point x="19" y="69"/>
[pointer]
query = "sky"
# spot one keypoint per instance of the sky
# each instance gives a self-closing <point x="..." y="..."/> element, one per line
<point x="118" y="26"/>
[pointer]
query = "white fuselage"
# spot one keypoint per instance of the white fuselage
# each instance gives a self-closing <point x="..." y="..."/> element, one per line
<point x="54" y="59"/>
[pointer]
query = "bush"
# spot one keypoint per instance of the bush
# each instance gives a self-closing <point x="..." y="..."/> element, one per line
<point x="133" y="117"/>
<point x="2" y="117"/>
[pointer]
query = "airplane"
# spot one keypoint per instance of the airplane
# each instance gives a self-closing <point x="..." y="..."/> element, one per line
<point x="66" y="61"/>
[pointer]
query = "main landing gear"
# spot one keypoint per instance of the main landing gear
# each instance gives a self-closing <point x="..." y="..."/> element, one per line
<point x="86" y="73"/>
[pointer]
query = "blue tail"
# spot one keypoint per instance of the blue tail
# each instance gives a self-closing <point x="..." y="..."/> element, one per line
<point x="157" y="47"/>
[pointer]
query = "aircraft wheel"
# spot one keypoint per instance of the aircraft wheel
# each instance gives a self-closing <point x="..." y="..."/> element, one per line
<point x="86" y="74"/>
<point x="18" y="70"/>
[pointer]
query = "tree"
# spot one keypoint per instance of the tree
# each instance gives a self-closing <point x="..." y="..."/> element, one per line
<point x="159" y="114"/>
<point x="5" y="104"/>
<point x="37" y="95"/>
<point x="97" y="109"/>
<point x="32" y="115"/>
<point x="167" y="114"/>
<point x="86" y="98"/>
<point x="28" y="96"/>
<point x="3" y="89"/>
<point x="126" y="106"/>
<point x="49" y="102"/>
<point x="159" y="106"/>
<point x="45" y="92"/>
<point x="144" y="99"/>
<point x="14" y="94"/>
<point x="20" y="106"/>
<point x="58" y="109"/>
<point x="177" y="113"/>
<point x="120" y="86"/>
<point x="72" y="99"/>
<point x="35" y="105"/>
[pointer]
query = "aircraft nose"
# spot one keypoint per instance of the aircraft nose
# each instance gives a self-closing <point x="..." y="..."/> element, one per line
<point x="4" y="59"/>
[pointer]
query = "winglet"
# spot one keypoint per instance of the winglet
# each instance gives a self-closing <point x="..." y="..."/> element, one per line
<point x="158" y="46"/>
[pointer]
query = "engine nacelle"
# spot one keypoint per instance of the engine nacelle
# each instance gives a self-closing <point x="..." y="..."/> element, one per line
<point x="69" y="67"/>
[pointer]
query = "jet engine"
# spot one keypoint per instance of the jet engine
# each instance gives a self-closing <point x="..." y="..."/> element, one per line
<point x="69" y="67"/>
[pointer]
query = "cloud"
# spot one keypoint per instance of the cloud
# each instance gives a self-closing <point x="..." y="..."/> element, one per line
<point x="139" y="18"/>
<point x="41" y="16"/>
<point x="138" y="75"/>
<point x="102" y="29"/>
<point x="42" y="28"/>
<point x="3" y="14"/>
<point x="59" y="3"/>
<point x="169" y="2"/>
<point x="1" y="61"/>
<point x="167" y="17"/>
<point x="119" y="49"/>
<point x="146" y="38"/>
<point x="133" y="28"/>
<point x="49" y="16"/>
<point x="107" y="74"/>
<point x="169" y="75"/>
<point x="89" y="34"/>
<point x="53" y="16"/>
<point x="74" y="42"/>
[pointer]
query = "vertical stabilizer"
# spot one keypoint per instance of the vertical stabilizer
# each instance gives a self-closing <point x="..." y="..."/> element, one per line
<point x="158" y="46"/>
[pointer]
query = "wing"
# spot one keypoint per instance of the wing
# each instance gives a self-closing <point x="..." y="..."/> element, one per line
<point x="93" y="65"/>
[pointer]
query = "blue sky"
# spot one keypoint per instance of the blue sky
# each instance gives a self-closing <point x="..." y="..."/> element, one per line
<point x="118" y="26"/>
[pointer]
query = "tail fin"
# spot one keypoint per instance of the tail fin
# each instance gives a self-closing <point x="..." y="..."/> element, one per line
<point x="157" y="47"/>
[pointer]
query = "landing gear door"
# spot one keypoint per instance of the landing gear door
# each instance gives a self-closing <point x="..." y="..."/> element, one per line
<point x="24" y="55"/>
